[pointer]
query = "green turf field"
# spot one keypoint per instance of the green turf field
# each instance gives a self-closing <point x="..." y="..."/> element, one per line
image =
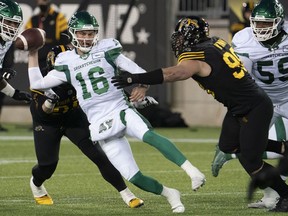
<point x="78" y="189"/>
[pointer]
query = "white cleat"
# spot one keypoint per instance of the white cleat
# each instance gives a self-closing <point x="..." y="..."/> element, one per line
<point x="174" y="199"/>
<point x="198" y="181"/>
<point x="269" y="200"/>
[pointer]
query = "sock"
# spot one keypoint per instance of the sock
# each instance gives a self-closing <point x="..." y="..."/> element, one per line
<point x="190" y="169"/>
<point x="127" y="195"/>
<point x="146" y="183"/>
<point x="165" y="192"/>
<point x="165" y="146"/>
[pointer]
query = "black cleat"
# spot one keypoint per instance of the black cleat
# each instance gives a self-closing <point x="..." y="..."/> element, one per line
<point x="281" y="206"/>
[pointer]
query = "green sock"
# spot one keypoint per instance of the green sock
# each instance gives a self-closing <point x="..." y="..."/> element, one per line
<point x="147" y="183"/>
<point x="165" y="146"/>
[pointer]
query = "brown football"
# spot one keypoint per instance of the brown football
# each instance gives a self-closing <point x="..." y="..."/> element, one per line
<point x="30" y="39"/>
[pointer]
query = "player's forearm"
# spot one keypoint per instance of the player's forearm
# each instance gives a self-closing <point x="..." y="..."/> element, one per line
<point x="34" y="74"/>
<point x="33" y="59"/>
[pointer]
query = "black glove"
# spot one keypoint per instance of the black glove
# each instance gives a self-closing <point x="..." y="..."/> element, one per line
<point x="8" y="73"/>
<point x="22" y="96"/>
<point x="125" y="79"/>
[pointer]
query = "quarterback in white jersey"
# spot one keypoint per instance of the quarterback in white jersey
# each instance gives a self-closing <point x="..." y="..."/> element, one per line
<point x="263" y="49"/>
<point x="89" y="68"/>
<point x="11" y="21"/>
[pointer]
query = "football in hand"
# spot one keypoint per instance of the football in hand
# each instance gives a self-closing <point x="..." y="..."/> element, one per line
<point x="30" y="39"/>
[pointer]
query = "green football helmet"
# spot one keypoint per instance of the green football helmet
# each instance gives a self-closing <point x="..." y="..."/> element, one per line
<point x="11" y="19"/>
<point x="267" y="11"/>
<point x="83" y="21"/>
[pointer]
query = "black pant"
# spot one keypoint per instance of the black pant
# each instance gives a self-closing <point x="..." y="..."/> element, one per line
<point x="248" y="135"/>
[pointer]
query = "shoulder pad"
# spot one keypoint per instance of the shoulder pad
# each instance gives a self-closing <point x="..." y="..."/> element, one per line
<point x="109" y="44"/>
<point x="242" y="37"/>
<point x="63" y="58"/>
<point x="285" y="26"/>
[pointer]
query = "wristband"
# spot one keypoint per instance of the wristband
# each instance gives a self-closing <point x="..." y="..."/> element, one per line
<point x="151" y="77"/>
<point x="8" y="90"/>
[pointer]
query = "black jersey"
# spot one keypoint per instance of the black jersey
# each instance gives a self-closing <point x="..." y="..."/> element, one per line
<point x="66" y="103"/>
<point x="229" y="81"/>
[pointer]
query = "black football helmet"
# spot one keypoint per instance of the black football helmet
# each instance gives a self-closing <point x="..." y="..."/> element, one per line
<point x="267" y="11"/>
<point x="53" y="53"/>
<point x="189" y="31"/>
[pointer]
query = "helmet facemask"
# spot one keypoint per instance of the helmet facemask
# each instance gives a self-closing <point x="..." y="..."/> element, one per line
<point x="11" y="19"/>
<point x="266" y="33"/>
<point x="178" y="43"/>
<point x="85" y="44"/>
<point x="267" y="19"/>
<point x="188" y="32"/>
<point x="83" y="28"/>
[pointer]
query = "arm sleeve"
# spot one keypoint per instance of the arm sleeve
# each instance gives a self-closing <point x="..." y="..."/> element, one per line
<point x="38" y="82"/>
<point x="126" y="64"/>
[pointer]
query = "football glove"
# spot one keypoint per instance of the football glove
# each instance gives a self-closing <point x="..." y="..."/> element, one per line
<point x="147" y="101"/>
<point x="125" y="79"/>
<point x="22" y="96"/>
<point x="8" y="73"/>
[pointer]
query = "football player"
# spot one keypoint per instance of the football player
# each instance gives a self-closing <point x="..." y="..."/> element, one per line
<point x="11" y="20"/>
<point x="213" y="63"/>
<point x="263" y="50"/>
<point x="89" y="68"/>
<point x="56" y="113"/>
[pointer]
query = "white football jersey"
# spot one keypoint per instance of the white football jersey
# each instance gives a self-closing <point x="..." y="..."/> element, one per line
<point x="3" y="50"/>
<point x="268" y="67"/>
<point x="91" y="77"/>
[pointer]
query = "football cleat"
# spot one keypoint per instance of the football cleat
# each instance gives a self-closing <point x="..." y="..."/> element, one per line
<point x="174" y="200"/>
<point x="40" y="194"/>
<point x="219" y="160"/>
<point x="281" y="206"/>
<point x="268" y="201"/>
<point x="198" y="182"/>
<point x="44" y="200"/>
<point x="136" y="203"/>
<point x="258" y="204"/>
<point x="198" y="179"/>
